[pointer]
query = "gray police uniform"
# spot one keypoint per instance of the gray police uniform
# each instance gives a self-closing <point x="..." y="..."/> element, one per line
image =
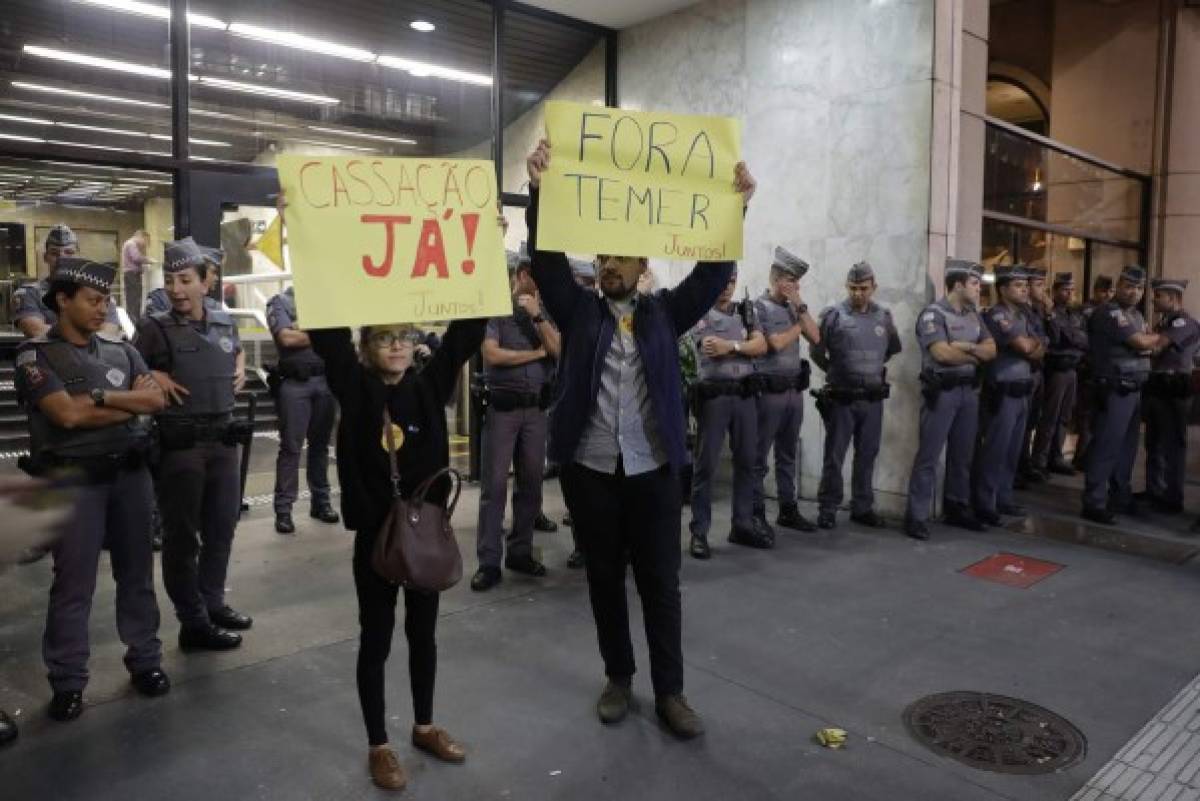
<point x="949" y="410"/>
<point x="112" y="504"/>
<point x="1084" y="405"/>
<point x="1166" y="402"/>
<point x="29" y="301"/>
<point x="1119" y="373"/>
<point x="1067" y="343"/>
<point x="725" y="406"/>
<point x="785" y="376"/>
<point x="1039" y="331"/>
<point x="853" y="350"/>
<point x="514" y="433"/>
<point x="307" y="410"/>
<point x="198" y="477"/>
<point x="1009" y="385"/>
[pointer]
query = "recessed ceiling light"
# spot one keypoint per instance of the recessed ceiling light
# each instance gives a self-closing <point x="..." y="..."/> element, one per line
<point x="301" y="42"/>
<point x="269" y="91"/>
<point x="146" y="9"/>
<point x="17" y="138"/>
<point x="58" y="90"/>
<point x="96" y="61"/>
<point x="421" y="70"/>
<point x="422" y="26"/>
<point x="26" y="120"/>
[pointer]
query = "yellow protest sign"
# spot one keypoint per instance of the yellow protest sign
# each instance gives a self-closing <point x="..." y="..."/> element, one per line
<point x="270" y="244"/>
<point x="637" y="183"/>
<point x="382" y="240"/>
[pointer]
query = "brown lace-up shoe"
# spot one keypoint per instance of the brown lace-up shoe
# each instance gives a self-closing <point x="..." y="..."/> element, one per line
<point x="385" y="769"/>
<point x="437" y="742"/>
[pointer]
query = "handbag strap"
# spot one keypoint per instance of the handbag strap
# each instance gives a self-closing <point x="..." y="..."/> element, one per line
<point x="391" y="449"/>
<point x="455" y="479"/>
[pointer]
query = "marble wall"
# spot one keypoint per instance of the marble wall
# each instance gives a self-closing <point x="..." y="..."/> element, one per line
<point x="836" y="99"/>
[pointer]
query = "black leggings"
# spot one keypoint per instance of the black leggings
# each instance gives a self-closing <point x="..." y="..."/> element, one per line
<point x="377" y="618"/>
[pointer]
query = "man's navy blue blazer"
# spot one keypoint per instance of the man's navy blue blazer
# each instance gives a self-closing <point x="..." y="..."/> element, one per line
<point x="587" y="327"/>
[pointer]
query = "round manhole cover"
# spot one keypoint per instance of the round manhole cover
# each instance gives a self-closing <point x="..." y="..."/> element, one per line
<point x="994" y="732"/>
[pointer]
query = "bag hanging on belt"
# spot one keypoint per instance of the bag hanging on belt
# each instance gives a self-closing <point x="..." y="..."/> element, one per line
<point x="415" y="547"/>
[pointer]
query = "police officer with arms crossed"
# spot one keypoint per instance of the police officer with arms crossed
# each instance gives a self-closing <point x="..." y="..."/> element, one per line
<point x="307" y="410"/>
<point x="197" y="358"/>
<point x="1066" y="330"/>
<point x="954" y="344"/>
<point x="1102" y="292"/>
<point x="1009" y="383"/>
<point x="1038" y="310"/>
<point x="726" y="344"/>
<point x="784" y="374"/>
<point x="1167" y="397"/>
<point x="1120" y="349"/>
<point x="518" y="357"/>
<point x="857" y="339"/>
<point x="85" y="393"/>
<point x="30" y="313"/>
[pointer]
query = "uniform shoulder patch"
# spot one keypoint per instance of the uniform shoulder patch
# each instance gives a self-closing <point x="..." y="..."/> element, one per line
<point x="1179" y="322"/>
<point x="26" y="356"/>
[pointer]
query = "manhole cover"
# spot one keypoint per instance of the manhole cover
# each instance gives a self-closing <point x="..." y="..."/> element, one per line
<point x="994" y="732"/>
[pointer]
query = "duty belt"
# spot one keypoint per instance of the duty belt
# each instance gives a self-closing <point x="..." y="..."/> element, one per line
<point x="851" y="394"/>
<point x="301" y="372"/>
<point x="510" y="400"/>
<point x="1062" y="362"/>
<point x="775" y="384"/>
<point x="95" y="469"/>
<point x="1121" y="386"/>
<point x="946" y="381"/>
<point x="717" y="388"/>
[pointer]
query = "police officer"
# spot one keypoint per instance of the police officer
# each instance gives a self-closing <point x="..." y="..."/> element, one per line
<point x="196" y="356"/>
<point x="307" y="410"/>
<point x="1102" y="292"/>
<point x="784" y="319"/>
<point x="30" y="313"/>
<point x="857" y="339"/>
<point x="1038" y="309"/>
<point x="1120" y="347"/>
<point x="1066" y="330"/>
<point x="1167" y="397"/>
<point x="955" y="343"/>
<point x="1008" y="386"/>
<point x="518" y="357"/>
<point x="85" y="393"/>
<point x="727" y="340"/>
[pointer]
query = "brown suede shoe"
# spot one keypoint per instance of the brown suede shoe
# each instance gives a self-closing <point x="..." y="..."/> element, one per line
<point x="437" y="742"/>
<point x="386" y="770"/>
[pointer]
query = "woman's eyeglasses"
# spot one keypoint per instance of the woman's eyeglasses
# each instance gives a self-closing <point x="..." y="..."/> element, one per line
<point x="386" y="339"/>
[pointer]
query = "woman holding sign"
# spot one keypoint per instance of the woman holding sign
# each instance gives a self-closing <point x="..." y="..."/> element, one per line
<point x="380" y="375"/>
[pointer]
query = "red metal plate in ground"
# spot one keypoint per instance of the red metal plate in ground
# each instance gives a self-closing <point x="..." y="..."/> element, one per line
<point x="1013" y="570"/>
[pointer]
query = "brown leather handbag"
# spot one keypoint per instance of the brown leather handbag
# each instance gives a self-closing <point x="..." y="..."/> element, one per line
<point x="415" y="547"/>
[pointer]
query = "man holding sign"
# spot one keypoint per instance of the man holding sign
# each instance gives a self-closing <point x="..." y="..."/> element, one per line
<point x="618" y="426"/>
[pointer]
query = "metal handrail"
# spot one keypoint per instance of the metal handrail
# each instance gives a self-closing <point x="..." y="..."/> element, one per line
<point x="1066" y="150"/>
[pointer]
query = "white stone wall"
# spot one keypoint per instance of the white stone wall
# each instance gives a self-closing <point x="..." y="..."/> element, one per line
<point x="836" y="99"/>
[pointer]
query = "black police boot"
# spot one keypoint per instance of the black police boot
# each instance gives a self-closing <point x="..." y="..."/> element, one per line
<point x="485" y="578"/>
<point x="962" y="517"/>
<point x="151" y="683"/>
<point x="284" y="523"/>
<point x="750" y="538"/>
<point x="763" y="528"/>
<point x="916" y="530"/>
<point x="66" y="705"/>
<point x="1012" y="510"/>
<point x="988" y="517"/>
<point x="208" y="638"/>
<point x="324" y="512"/>
<point x="827" y="518"/>
<point x="544" y="524"/>
<point x="1061" y="468"/>
<point x="576" y="560"/>
<point x="526" y="565"/>
<point x="699" y="547"/>
<point x="868" y="519"/>
<point x="8" y="729"/>
<point x="790" y="517"/>
<point x="1102" y="516"/>
<point x="228" y="618"/>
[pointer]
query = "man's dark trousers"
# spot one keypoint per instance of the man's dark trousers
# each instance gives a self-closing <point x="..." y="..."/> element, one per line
<point x="631" y="520"/>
